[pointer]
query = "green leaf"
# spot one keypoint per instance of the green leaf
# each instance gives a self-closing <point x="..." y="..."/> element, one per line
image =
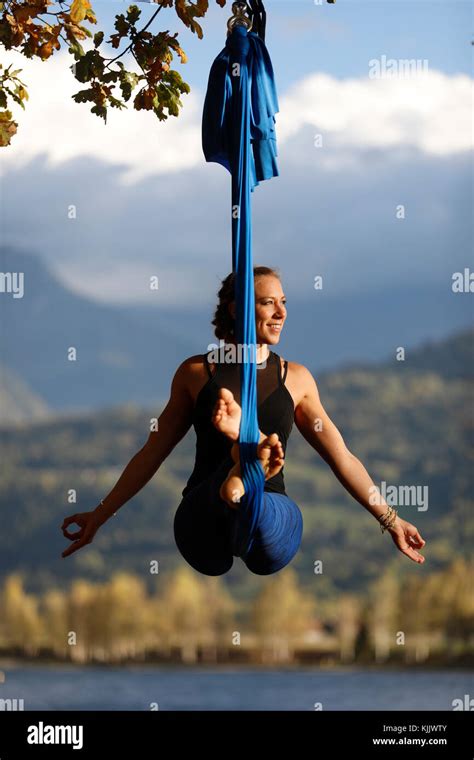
<point x="98" y="38"/>
<point x="121" y="25"/>
<point x="82" y="69"/>
<point x="129" y="77"/>
<point x="83" y="96"/>
<point x="76" y="49"/>
<point x="116" y="103"/>
<point x="133" y="14"/>
<point x="100" y="111"/>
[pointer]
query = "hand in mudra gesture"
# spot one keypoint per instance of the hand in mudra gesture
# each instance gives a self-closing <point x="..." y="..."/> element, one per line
<point x="407" y="539"/>
<point x="89" y="524"/>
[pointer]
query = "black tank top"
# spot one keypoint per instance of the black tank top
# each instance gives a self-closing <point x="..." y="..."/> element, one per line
<point x="275" y="412"/>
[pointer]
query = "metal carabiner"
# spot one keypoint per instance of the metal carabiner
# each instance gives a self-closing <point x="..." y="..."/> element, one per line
<point x="239" y="10"/>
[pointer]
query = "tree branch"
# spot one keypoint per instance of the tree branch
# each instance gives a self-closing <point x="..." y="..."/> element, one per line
<point x="111" y="60"/>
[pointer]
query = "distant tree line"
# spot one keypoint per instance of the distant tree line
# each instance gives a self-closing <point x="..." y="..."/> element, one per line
<point x="189" y="619"/>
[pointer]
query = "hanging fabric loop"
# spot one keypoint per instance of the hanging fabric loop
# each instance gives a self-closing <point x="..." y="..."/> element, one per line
<point x="238" y="131"/>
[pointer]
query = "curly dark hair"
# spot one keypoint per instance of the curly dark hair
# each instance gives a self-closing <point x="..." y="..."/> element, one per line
<point x="223" y="320"/>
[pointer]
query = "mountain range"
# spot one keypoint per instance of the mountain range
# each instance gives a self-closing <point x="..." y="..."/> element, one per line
<point x="128" y="354"/>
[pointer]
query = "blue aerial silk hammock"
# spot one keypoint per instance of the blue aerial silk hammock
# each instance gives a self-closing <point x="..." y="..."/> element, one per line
<point x="238" y="131"/>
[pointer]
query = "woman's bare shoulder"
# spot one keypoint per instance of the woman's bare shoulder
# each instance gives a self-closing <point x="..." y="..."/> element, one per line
<point x="298" y="371"/>
<point x="298" y="381"/>
<point x="194" y="360"/>
<point x="193" y="373"/>
<point x="192" y="366"/>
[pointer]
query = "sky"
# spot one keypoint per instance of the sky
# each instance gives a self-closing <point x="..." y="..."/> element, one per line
<point x="148" y="204"/>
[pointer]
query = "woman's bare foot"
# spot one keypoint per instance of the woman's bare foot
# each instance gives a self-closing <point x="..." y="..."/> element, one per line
<point x="227" y="414"/>
<point x="270" y="455"/>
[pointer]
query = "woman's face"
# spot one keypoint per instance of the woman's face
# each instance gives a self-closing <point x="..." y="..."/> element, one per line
<point x="270" y="309"/>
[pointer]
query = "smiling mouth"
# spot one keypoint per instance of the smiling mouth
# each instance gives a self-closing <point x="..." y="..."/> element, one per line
<point x="275" y="326"/>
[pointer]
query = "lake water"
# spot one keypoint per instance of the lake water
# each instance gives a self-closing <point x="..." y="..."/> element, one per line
<point x="136" y="688"/>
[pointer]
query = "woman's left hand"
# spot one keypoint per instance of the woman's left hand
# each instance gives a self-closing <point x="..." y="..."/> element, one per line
<point x="407" y="539"/>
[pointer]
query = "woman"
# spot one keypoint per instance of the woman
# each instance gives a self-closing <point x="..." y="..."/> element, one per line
<point x="206" y="394"/>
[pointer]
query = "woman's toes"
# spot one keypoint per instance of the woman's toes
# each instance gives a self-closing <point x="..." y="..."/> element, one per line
<point x="225" y="396"/>
<point x="227" y="414"/>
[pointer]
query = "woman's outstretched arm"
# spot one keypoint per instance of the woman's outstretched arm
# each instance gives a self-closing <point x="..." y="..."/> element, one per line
<point x="173" y="424"/>
<point x="321" y="433"/>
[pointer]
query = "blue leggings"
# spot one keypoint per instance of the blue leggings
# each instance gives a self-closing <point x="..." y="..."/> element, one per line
<point x="204" y="525"/>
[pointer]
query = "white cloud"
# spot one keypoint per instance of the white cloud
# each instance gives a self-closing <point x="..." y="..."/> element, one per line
<point x="430" y="111"/>
<point x="57" y="126"/>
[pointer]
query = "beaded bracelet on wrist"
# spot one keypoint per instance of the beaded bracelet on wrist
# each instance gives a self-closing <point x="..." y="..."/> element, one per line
<point x="387" y="520"/>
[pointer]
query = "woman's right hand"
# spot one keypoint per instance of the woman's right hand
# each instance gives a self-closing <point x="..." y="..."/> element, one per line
<point x="89" y="524"/>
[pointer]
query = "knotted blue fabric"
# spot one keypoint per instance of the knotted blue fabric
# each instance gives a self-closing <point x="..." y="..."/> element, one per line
<point x="238" y="131"/>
